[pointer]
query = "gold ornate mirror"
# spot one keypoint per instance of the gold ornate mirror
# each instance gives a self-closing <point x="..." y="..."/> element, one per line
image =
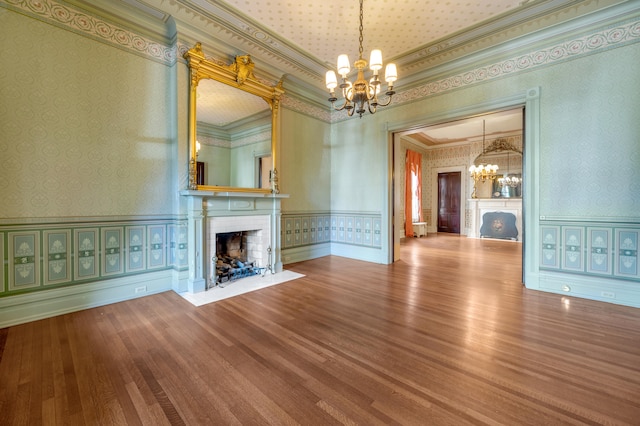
<point x="506" y="181"/>
<point x="233" y="126"/>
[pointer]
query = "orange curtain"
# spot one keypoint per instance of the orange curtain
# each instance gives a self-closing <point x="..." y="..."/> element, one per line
<point x="413" y="164"/>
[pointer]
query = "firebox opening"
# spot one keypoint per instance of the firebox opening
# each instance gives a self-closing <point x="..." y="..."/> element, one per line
<point x="237" y="255"/>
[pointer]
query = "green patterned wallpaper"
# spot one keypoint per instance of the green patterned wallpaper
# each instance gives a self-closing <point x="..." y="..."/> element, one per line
<point x="85" y="126"/>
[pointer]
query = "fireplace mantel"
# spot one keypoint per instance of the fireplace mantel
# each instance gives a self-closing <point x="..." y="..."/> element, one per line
<point x="204" y="206"/>
<point x="478" y="207"/>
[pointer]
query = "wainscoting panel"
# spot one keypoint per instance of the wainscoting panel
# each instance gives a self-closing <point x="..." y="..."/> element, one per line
<point x="2" y="269"/>
<point x="36" y="257"/>
<point x="136" y="260"/>
<point x="627" y="262"/>
<point x="550" y="256"/>
<point x="86" y="243"/>
<point x="57" y="257"/>
<point x="598" y="249"/>
<point x="112" y="251"/>
<point x="573" y="244"/>
<point x="350" y="229"/>
<point x="24" y="255"/>
<point x="156" y="254"/>
<point x="178" y="248"/>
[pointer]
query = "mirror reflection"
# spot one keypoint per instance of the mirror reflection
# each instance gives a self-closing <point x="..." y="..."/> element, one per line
<point x="504" y="180"/>
<point x="233" y="120"/>
<point x="233" y="137"/>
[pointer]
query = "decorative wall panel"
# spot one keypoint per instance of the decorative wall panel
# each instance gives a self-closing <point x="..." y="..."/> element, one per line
<point x="599" y="250"/>
<point x="340" y="229"/>
<point x="357" y="239"/>
<point x="136" y="258"/>
<point x="86" y="243"/>
<point x="354" y="229"/>
<point x="57" y="257"/>
<point x="377" y="232"/>
<point x="178" y="248"/>
<point x="306" y="225"/>
<point x="2" y="263"/>
<point x="24" y="260"/>
<point x="297" y="231"/>
<point x="313" y="229"/>
<point x="572" y="243"/>
<point x="368" y="231"/>
<point x="592" y="248"/>
<point x="327" y="230"/>
<point x="112" y="250"/>
<point x="627" y="261"/>
<point x="550" y="255"/>
<point x="287" y="233"/>
<point x="349" y="230"/>
<point x="156" y="247"/>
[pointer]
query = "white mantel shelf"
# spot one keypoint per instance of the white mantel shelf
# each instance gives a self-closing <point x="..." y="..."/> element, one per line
<point x="479" y="206"/>
<point x="229" y="194"/>
<point x="206" y="208"/>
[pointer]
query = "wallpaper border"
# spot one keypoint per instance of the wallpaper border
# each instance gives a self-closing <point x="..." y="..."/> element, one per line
<point x="70" y="18"/>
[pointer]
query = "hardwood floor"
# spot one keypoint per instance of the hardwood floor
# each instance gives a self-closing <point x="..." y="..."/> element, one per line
<point x="446" y="336"/>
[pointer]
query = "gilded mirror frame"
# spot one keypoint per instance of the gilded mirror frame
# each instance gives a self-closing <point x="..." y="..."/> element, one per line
<point x="239" y="75"/>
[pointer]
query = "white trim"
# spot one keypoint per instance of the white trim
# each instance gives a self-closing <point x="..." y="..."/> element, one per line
<point x="23" y="308"/>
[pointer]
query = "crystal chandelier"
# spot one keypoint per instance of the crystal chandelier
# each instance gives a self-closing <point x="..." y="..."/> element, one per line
<point x="511" y="181"/>
<point x="360" y="93"/>
<point x="482" y="172"/>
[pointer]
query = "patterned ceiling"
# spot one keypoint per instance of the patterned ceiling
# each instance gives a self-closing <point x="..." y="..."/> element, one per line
<point x="330" y="27"/>
<point x="325" y="30"/>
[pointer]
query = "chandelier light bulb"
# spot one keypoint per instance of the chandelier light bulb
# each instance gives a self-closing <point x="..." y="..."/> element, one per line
<point x="343" y="65"/>
<point x="362" y="94"/>
<point x="331" y="80"/>
<point x="375" y="61"/>
<point x="390" y="73"/>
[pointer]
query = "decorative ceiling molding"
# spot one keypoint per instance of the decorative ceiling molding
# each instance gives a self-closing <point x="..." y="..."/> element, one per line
<point x="604" y="39"/>
<point x="78" y="21"/>
<point x="598" y="36"/>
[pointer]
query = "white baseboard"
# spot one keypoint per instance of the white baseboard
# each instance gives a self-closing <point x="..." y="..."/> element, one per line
<point x="38" y="305"/>
<point x="589" y="287"/>
<point x="299" y="254"/>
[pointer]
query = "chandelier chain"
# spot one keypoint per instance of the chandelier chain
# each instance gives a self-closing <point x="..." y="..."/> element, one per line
<point x="362" y="94"/>
<point x="361" y="29"/>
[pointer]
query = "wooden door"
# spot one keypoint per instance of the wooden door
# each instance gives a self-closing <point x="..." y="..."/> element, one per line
<point x="449" y="202"/>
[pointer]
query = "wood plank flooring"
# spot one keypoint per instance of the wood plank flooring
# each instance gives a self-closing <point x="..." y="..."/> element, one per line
<point x="446" y="336"/>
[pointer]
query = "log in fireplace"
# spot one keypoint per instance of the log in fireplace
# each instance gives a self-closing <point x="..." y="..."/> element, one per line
<point x="237" y="256"/>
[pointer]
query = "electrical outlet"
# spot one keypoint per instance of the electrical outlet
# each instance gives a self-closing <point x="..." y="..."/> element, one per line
<point x="609" y="294"/>
<point x="141" y="289"/>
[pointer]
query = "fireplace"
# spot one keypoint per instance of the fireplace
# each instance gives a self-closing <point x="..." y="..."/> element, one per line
<point x="211" y="213"/>
<point x="237" y="247"/>
<point x="238" y="255"/>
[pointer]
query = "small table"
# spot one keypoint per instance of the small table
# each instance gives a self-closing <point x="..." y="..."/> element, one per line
<point x="419" y="229"/>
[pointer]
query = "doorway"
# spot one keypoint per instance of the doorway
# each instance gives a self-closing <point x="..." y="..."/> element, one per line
<point x="449" y="147"/>
<point x="449" y="185"/>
